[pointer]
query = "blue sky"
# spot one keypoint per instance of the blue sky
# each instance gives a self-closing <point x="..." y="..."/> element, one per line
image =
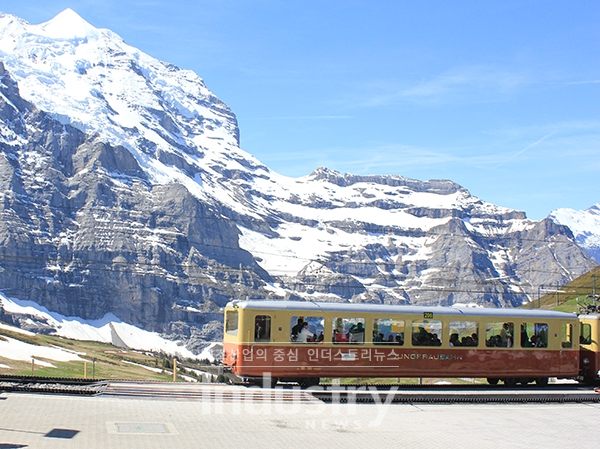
<point x="502" y="97"/>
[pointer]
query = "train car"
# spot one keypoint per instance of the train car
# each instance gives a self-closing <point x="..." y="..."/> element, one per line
<point x="304" y="341"/>
<point x="590" y="347"/>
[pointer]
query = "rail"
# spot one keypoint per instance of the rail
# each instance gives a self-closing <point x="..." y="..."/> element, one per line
<point x="348" y="394"/>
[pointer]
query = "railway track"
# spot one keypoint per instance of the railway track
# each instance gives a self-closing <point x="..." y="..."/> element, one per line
<point x="458" y="394"/>
<point x="206" y="392"/>
<point x="52" y="385"/>
<point x="347" y="394"/>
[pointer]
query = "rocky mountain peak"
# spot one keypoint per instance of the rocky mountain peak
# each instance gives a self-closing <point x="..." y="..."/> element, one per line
<point x="585" y="225"/>
<point x="89" y="78"/>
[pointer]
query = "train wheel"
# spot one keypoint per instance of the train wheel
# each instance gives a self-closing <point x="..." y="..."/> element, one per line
<point x="493" y="381"/>
<point x="541" y="382"/>
<point x="510" y="382"/>
<point x="589" y="381"/>
<point x="307" y="382"/>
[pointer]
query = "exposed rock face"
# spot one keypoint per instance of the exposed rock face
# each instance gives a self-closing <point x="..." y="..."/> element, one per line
<point x="84" y="233"/>
<point x="135" y="198"/>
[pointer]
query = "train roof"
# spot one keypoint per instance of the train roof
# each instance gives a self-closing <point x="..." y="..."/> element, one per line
<point x="316" y="307"/>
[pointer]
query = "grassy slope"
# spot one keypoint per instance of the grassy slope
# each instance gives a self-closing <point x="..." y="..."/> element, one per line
<point x="567" y="298"/>
<point x="109" y="362"/>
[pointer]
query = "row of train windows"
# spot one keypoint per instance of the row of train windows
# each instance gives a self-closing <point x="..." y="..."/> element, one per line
<point x="388" y="331"/>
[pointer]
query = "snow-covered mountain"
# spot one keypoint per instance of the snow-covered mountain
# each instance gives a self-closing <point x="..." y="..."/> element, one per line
<point x="585" y="225"/>
<point x="125" y="191"/>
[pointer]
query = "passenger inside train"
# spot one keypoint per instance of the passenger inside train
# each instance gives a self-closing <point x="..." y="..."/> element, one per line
<point x="305" y="336"/>
<point x="309" y="329"/>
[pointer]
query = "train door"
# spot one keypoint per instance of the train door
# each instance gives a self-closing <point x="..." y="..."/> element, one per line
<point x="231" y="339"/>
<point x="568" y="364"/>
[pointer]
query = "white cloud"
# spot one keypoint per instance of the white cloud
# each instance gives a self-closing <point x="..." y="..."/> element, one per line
<point x="479" y="83"/>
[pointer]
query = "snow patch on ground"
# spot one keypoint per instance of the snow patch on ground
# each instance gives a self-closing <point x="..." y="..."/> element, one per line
<point x="18" y="350"/>
<point x="109" y="329"/>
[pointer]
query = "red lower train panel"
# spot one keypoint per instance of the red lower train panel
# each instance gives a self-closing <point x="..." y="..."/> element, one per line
<point x="396" y="361"/>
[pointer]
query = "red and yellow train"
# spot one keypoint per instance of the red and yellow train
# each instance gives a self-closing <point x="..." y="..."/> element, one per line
<point x="304" y="341"/>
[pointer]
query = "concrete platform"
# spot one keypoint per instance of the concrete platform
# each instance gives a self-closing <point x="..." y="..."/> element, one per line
<point x="56" y="421"/>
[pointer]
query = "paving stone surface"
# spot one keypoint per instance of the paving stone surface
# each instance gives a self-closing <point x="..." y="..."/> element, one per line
<point x="57" y="421"/>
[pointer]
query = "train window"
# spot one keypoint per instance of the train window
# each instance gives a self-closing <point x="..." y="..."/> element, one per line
<point x="348" y="330"/>
<point x="567" y="335"/>
<point x="534" y="335"/>
<point x="387" y="331"/>
<point x="262" y="328"/>
<point x="586" y="334"/>
<point x="464" y="333"/>
<point x="307" y="329"/>
<point x="231" y="322"/>
<point x="426" y="333"/>
<point x="499" y="334"/>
